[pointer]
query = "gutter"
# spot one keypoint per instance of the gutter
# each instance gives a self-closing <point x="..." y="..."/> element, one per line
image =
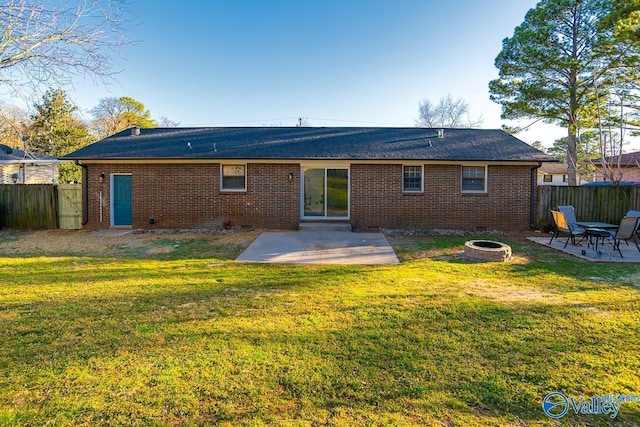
<point x="30" y="162"/>
<point x="532" y="197"/>
<point x="192" y="160"/>
<point x="85" y="195"/>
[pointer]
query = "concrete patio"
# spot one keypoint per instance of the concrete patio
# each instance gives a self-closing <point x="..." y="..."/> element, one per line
<point x="629" y="252"/>
<point x="320" y="247"/>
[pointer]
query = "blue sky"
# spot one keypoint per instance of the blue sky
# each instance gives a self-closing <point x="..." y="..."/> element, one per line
<point x="334" y="63"/>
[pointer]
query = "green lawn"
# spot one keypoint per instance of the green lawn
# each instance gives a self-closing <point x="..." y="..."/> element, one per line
<point x="179" y="339"/>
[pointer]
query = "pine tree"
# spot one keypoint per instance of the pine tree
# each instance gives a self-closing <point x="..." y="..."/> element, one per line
<point x="557" y="66"/>
<point x="56" y="131"/>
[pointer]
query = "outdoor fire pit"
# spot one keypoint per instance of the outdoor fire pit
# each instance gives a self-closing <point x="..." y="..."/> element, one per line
<point x="487" y="250"/>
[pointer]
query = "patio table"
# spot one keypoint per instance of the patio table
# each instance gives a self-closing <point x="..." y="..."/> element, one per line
<point x="595" y="235"/>
<point x="596" y="224"/>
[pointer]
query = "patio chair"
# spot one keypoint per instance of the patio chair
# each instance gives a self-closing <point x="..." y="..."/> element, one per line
<point x="626" y="231"/>
<point x="563" y="226"/>
<point x="634" y="213"/>
<point x="569" y="214"/>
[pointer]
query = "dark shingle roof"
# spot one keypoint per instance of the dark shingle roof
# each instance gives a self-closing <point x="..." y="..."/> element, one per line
<point x="13" y="155"/>
<point x="632" y="159"/>
<point x="554" y="168"/>
<point x="311" y="143"/>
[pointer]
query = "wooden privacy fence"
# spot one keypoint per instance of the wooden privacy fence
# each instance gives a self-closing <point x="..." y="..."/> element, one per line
<point x="29" y="206"/>
<point x="603" y="204"/>
<point x="40" y="206"/>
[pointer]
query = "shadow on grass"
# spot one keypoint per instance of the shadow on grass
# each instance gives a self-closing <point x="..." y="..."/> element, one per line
<point x="183" y="342"/>
<point x="552" y="267"/>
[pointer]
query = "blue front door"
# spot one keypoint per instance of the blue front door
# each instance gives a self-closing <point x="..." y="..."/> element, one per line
<point x="122" y="200"/>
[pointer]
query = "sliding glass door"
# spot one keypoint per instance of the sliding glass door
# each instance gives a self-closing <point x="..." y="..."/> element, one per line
<point x="325" y="193"/>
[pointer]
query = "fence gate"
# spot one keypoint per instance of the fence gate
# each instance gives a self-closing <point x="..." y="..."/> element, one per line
<point x="70" y="206"/>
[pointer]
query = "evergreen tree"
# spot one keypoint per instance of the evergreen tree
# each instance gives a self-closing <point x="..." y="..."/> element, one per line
<point x="558" y="66"/>
<point x="625" y="19"/>
<point x="55" y="130"/>
<point x="587" y="151"/>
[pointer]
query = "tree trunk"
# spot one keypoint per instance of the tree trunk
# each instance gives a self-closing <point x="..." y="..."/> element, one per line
<point x="572" y="128"/>
<point x="572" y="150"/>
<point x="572" y="156"/>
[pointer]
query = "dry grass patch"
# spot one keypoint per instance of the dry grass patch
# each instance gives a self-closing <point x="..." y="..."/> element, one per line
<point x="136" y="244"/>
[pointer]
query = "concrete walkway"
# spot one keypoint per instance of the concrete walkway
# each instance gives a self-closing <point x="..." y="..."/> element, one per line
<point x="315" y="247"/>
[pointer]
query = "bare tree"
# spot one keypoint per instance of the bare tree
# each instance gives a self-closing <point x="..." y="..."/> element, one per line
<point x="49" y="42"/>
<point x="165" y="122"/>
<point x="106" y="117"/>
<point x="616" y="115"/>
<point x="112" y="115"/>
<point x="448" y="113"/>
<point x="13" y="125"/>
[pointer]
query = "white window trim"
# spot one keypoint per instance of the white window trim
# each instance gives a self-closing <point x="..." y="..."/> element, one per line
<point x="421" y="180"/>
<point x="233" y="190"/>
<point x="486" y="170"/>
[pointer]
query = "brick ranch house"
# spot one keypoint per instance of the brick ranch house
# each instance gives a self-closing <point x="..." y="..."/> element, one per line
<point x="270" y="177"/>
<point x="20" y="167"/>
<point x="629" y="166"/>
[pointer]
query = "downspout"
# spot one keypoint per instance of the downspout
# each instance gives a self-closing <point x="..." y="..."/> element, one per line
<point x="532" y="198"/>
<point x="85" y="194"/>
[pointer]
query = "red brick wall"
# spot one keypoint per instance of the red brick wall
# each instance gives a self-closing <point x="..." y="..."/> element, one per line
<point x="188" y="196"/>
<point x="377" y="199"/>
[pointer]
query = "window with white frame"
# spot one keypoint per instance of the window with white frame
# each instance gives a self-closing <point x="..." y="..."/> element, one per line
<point x="233" y="178"/>
<point x="412" y="179"/>
<point x="474" y="179"/>
<point x="547" y="178"/>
